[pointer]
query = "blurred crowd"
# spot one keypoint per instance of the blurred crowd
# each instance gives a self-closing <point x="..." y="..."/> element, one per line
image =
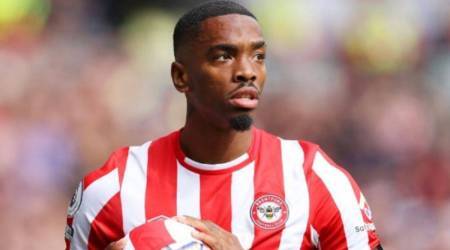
<point x="367" y="80"/>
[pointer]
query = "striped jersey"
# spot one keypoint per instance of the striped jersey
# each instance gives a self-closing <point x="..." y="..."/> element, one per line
<point x="281" y="194"/>
<point x="163" y="233"/>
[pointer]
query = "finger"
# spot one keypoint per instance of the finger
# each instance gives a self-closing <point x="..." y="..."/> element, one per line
<point x="209" y="240"/>
<point x="117" y="245"/>
<point x="211" y="226"/>
<point x="193" y="222"/>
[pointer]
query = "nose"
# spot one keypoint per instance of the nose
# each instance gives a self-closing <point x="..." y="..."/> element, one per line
<point x="244" y="71"/>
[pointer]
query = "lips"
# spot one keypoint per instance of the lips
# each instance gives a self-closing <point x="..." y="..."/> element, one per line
<point x="246" y="97"/>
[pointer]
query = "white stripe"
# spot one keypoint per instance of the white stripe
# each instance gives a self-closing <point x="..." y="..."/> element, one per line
<point x="242" y="195"/>
<point x="314" y="237"/>
<point x="342" y="193"/>
<point x="180" y="233"/>
<point x="296" y="195"/>
<point x="133" y="187"/>
<point x="128" y="244"/>
<point x="95" y="196"/>
<point x="188" y="192"/>
<point x="219" y="166"/>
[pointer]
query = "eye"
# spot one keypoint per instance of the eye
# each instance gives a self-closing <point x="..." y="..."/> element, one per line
<point x="222" y="58"/>
<point x="260" y="56"/>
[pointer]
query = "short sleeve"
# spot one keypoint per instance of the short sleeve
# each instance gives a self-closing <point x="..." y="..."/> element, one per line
<point x="341" y="217"/>
<point x="94" y="216"/>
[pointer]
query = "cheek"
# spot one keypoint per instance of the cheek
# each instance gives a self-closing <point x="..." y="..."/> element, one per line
<point x="216" y="74"/>
<point x="262" y="77"/>
<point x="214" y="80"/>
<point x="206" y="88"/>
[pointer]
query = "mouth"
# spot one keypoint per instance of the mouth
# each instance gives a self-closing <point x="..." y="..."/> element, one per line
<point x="244" y="98"/>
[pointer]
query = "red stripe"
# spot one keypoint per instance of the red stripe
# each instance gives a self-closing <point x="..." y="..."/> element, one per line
<point x="121" y="161"/>
<point x="309" y="150"/>
<point x="151" y="235"/>
<point x="117" y="160"/>
<point x="215" y="199"/>
<point x="268" y="179"/>
<point x="107" y="225"/>
<point x="324" y="214"/>
<point x="306" y="242"/>
<point x="161" y="188"/>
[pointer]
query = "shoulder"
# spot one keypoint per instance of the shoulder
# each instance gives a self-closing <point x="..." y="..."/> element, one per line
<point x="97" y="193"/>
<point x="96" y="202"/>
<point x="104" y="182"/>
<point x="314" y="158"/>
<point x="290" y="147"/>
<point x="319" y="169"/>
<point x="100" y="185"/>
<point x="113" y="169"/>
<point x="98" y="190"/>
<point x="304" y="147"/>
<point x="94" y="216"/>
<point x="115" y="162"/>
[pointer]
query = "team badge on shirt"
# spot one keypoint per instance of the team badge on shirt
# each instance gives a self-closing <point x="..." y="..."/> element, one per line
<point x="75" y="202"/>
<point x="269" y="212"/>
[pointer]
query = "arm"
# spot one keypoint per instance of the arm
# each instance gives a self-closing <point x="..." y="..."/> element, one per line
<point x="94" y="216"/>
<point x="117" y="245"/>
<point x="340" y="215"/>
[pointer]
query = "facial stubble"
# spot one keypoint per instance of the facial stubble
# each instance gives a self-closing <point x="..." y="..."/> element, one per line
<point x="241" y="122"/>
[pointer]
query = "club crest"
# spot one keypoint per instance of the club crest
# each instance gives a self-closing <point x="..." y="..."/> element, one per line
<point x="269" y="212"/>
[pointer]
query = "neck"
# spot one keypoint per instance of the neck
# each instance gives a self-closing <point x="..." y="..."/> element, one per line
<point x="207" y="144"/>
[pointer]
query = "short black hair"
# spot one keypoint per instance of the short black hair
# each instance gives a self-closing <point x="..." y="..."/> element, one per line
<point x="188" y="25"/>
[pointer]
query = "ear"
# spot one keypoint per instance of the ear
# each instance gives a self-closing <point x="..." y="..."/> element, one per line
<point x="179" y="77"/>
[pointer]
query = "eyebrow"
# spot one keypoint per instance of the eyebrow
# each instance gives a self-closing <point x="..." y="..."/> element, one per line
<point x="232" y="48"/>
<point x="258" y="44"/>
<point x="224" y="47"/>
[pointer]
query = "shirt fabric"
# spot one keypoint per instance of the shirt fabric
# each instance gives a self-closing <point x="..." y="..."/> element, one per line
<point x="281" y="194"/>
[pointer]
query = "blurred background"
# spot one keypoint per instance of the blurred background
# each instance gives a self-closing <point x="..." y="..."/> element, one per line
<point x="369" y="80"/>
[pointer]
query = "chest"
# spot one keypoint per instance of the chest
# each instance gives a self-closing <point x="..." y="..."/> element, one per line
<point x="264" y="209"/>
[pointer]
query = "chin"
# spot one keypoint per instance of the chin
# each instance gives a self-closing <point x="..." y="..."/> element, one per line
<point x="241" y="122"/>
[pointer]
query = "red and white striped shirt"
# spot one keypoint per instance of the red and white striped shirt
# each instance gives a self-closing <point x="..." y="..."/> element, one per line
<point x="281" y="194"/>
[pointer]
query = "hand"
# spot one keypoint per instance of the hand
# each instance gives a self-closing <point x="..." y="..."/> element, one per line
<point x="117" y="245"/>
<point x="211" y="234"/>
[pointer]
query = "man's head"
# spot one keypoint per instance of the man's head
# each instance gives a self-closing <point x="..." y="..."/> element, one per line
<point x="219" y="63"/>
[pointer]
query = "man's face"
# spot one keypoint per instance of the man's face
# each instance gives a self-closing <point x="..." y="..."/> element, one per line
<point x="225" y="69"/>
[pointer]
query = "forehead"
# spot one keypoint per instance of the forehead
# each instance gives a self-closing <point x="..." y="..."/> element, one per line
<point x="232" y="28"/>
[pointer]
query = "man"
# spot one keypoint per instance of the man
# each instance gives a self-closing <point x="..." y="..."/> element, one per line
<point x="239" y="186"/>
